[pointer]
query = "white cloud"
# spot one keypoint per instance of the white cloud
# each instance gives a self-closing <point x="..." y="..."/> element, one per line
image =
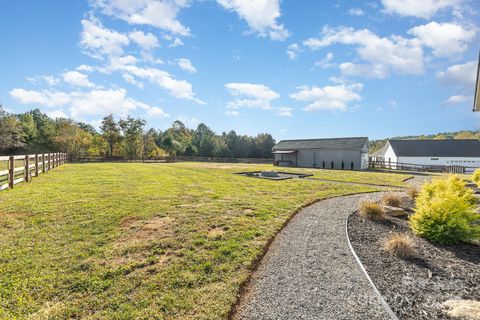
<point x="161" y="14"/>
<point x="177" y="42"/>
<point x="157" y="113"/>
<point x="329" y="97"/>
<point x="101" y="102"/>
<point x="130" y="79"/>
<point x="76" y="78"/>
<point x="57" y="114"/>
<point x="85" y="68"/>
<point x="395" y="53"/>
<point x="180" y="89"/>
<point x="232" y="113"/>
<point x="98" y="42"/>
<point x="93" y="103"/>
<point x="186" y="64"/>
<point x="355" y="12"/>
<point x="445" y="39"/>
<point x="460" y="75"/>
<point x="260" y="15"/>
<point x="250" y="95"/>
<point x="50" y="80"/>
<point x="146" y="41"/>
<point x="456" y="99"/>
<point x="256" y="91"/>
<point x="421" y="9"/>
<point x="364" y="70"/>
<point x="44" y="98"/>
<point x="190" y="122"/>
<point x="325" y="62"/>
<point x="293" y="50"/>
<point x="383" y="55"/>
<point x="284" y="112"/>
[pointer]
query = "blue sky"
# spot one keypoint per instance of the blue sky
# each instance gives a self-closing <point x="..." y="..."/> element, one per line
<point x="296" y="69"/>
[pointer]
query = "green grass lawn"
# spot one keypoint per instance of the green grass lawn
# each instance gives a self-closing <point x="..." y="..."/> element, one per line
<point x="145" y="241"/>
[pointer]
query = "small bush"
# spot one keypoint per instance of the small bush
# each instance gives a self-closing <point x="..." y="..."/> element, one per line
<point x="445" y="212"/>
<point x="371" y="210"/>
<point x="400" y="245"/>
<point x="476" y="177"/>
<point x="412" y="192"/>
<point x="391" y="199"/>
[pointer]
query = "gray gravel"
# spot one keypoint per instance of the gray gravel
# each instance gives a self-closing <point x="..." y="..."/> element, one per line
<point x="309" y="271"/>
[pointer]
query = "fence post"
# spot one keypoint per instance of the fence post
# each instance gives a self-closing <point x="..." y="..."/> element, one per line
<point x="11" y="172"/>
<point x="43" y="162"/>
<point x="27" y="169"/>
<point x="49" y="161"/>
<point x="36" y="164"/>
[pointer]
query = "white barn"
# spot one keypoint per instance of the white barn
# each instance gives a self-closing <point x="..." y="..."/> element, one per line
<point x="431" y="152"/>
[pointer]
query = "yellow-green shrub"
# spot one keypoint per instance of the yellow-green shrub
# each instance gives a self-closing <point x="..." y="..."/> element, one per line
<point x="445" y="212"/>
<point x="476" y="177"/>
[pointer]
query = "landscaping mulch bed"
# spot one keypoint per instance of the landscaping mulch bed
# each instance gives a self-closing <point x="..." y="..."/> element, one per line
<point x="417" y="287"/>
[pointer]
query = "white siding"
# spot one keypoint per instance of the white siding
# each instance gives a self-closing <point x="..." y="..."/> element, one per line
<point x="442" y="161"/>
<point x="388" y="154"/>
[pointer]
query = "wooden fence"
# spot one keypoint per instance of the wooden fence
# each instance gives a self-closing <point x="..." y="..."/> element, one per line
<point x="92" y="158"/>
<point x="419" y="167"/>
<point x="23" y="168"/>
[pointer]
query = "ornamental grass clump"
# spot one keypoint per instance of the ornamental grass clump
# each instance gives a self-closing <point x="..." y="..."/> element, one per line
<point x="445" y="212"/>
<point x="400" y="245"/>
<point x="412" y="192"/>
<point x="391" y="199"/>
<point x="476" y="177"/>
<point x="371" y="210"/>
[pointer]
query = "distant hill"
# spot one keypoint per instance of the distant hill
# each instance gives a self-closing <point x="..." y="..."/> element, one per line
<point x="377" y="144"/>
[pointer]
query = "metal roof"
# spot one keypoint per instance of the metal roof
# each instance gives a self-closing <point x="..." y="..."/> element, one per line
<point x="436" y="148"/>
<point x="332" y="143"/>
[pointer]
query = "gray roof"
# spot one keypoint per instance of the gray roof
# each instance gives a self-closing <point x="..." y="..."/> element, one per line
<point x="436" y="148"/>
<point x="332" y="143"/>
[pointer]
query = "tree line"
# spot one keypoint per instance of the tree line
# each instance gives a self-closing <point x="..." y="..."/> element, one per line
<point x="36" y="132"/>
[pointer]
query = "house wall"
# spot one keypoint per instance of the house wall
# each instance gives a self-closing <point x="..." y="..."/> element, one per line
<point x="442" y="161"/>
<point x="389" y="155"/>
<point x="315" y="158"/>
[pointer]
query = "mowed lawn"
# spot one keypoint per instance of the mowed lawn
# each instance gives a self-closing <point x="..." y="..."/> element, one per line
<point x="144" y="241"/>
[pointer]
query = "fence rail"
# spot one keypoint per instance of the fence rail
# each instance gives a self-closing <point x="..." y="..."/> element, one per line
<point x="419" y="167"/>
<point x="91" y="158"/>
<point x="22" y="168"/>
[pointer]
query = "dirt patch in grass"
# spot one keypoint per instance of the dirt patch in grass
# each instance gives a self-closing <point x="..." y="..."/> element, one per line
<point x="217" y="231"/>
<point x="147" y="230"/>
<point x="417" y="287"/>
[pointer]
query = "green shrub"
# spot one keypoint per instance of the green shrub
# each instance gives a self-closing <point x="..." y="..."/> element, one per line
<point x="476" y="177"/>
<point x="445" y="212"/>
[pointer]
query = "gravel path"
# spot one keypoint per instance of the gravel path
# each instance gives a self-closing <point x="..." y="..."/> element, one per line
<point x="309" y="271"/>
